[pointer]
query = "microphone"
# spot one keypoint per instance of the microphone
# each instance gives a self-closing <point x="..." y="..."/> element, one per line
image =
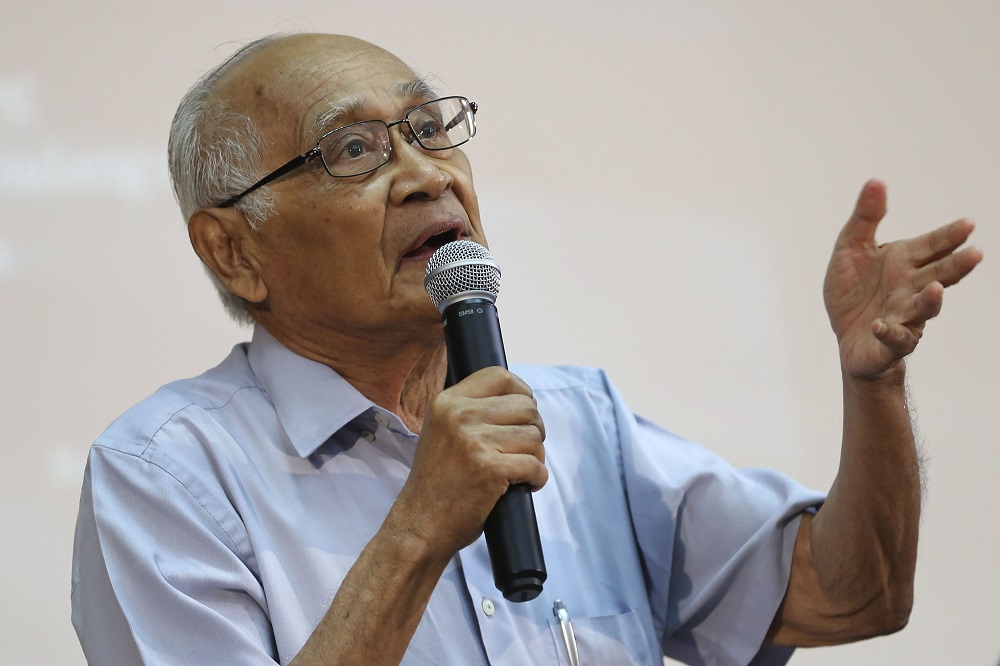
<point x="463" y="281"/>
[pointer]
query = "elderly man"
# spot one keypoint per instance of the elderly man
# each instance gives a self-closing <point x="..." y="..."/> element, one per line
<point x="319" y="497"/>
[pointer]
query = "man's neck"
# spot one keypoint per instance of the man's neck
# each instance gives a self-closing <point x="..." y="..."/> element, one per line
<point x="400" y="376"/>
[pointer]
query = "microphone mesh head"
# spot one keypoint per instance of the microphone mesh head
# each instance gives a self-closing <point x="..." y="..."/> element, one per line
<point x="461" y="269"/>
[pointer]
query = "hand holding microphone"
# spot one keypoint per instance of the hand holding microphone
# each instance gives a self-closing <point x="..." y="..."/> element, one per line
<point x="463" y="281"/>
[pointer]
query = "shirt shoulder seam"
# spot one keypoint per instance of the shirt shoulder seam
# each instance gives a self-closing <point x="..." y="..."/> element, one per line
<point x="191" y="403"/>
<point x="232" y="541"/>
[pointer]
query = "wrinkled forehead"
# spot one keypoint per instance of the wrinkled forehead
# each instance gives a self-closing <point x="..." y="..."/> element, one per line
<point x="302" y="84"/>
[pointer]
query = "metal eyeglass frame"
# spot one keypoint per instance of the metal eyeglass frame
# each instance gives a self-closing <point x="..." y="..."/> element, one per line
<point x="317" y="151"/>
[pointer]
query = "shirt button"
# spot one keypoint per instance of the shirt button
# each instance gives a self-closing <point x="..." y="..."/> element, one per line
<point x="488" y="608"/>
<point x="368" y="435"/>
<point x="382" y="419"/>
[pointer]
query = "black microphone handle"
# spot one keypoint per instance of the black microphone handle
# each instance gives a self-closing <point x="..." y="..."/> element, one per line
<point x="472" y="334"/>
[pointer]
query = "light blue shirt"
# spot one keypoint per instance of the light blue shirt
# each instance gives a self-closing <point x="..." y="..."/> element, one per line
<point x="219" y="517"/>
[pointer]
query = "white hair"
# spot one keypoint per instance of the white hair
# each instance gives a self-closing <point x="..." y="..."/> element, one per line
<point x="214" y="152"/>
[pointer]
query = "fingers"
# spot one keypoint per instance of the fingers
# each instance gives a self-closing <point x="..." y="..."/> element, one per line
<point x="935" y="255"/>
<point x="505" y="433"/>
<point x="948" y="270"/>
<point x="493" y="396"/>
<point x="939" y="243"/>
<point x="492" y="410"/>
<point x="492" y="382"/>
<point x="517" y="458"/>
<point x="868" y="212"/>
<point x="528" y="470"/>
<point x="500" y="398"/>
<point x="513" y="410"/>
<point x="902" y="337"/>
<point x="890" y="291"/>
<point x="927" y="304"/>
<point x="478" y="438"/>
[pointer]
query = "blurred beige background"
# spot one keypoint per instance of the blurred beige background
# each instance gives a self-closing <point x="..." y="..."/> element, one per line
<point x="661" y="181"/>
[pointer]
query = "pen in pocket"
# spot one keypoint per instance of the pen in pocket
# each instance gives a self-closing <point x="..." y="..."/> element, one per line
<point x="569" y="637"/>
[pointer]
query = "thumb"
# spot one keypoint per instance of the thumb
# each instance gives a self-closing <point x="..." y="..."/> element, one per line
<point x="868" y="212"/>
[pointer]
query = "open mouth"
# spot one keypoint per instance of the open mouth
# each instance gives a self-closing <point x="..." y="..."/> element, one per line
<point x="431" y="244"/>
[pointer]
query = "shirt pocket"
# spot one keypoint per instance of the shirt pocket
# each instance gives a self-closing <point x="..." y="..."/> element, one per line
<point x="605" y="640"/>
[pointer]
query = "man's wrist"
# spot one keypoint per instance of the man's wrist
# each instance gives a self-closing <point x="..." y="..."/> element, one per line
<point x="409" y="544"/>
<point x="892" y="380"/>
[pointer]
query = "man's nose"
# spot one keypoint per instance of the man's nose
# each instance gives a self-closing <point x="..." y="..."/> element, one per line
<point x="417" y="173"/>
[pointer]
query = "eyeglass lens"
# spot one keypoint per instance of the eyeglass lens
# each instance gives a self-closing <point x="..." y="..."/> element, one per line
<point x="365" y="146"/>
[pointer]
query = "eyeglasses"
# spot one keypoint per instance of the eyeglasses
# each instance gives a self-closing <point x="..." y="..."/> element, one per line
<point x="360" y="148"/>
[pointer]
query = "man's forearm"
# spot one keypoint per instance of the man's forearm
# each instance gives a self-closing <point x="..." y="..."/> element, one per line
<point x="379" y="604"/>
<point x="874" y="503"/>
<point x="852" y="572"/>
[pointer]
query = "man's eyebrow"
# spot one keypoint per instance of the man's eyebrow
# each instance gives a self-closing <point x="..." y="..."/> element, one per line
<point x="342" y="109"/>
<point x="354" y="106"/>
<point x="417" y="88"/>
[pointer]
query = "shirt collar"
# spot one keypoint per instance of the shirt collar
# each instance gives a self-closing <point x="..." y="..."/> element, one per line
<point x="312" y="400"/>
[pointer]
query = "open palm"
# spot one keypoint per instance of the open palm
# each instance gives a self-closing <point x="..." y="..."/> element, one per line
<point x="879" y="297"/>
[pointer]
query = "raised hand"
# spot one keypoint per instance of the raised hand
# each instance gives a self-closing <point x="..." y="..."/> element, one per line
<point x="879" y="297"/>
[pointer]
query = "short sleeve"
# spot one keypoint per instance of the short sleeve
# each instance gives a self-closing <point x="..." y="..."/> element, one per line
<point x="157" y="579"/>
<point x="716" y="543"/>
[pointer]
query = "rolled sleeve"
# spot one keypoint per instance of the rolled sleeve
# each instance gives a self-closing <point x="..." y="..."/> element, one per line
<point x="716" y="542"/>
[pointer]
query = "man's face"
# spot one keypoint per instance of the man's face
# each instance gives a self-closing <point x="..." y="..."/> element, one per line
<point x="348" y="254"/>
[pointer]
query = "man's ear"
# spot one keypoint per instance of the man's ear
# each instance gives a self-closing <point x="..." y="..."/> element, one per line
<point x="220" y="236"/>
